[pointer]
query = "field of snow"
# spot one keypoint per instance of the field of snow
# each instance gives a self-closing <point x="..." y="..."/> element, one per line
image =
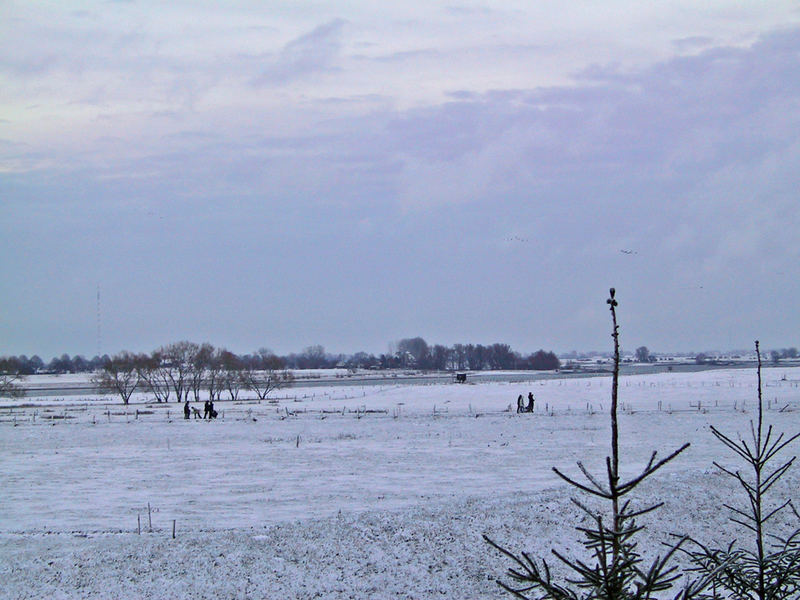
<point x="348" y="492"/>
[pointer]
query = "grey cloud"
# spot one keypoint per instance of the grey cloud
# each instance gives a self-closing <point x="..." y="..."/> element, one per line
<point x="462" y="95"/>
<point x="82" y="61"/>
<point x="692" y="42"/>
<point x="669" y="125"/>
<point x="410" y="55"/>
<point x="692" y="164"/>
<point x="666" y="127"/>
<point x="478" y="11"/>
<point x="37" y="48"/>
<point x="693" y="140"/>
<point x="469" y="10"/>
<point x="191" y="136"/>
<point x="310" y="53"/>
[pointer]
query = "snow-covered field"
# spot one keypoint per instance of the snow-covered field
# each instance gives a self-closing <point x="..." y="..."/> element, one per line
<point x="347" y="492"/>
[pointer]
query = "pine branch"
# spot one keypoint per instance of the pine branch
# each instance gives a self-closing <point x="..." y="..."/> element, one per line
<point x="777" y="448"/>
<point x="737" y="511"/>
<point x="743" y="524"/>
<point x="585" y="509"/>
<point x="775" y="511"/>
<point x="644" y="511"/>
<point x="625" y="488"/>
<point x="591" y="478"/>
<point x="730" y="443"/>
<point x="580" y="486"/>
<point x="770" y="480"/>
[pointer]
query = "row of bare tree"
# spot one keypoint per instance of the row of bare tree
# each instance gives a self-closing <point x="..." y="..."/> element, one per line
<point x="185" y="369"/>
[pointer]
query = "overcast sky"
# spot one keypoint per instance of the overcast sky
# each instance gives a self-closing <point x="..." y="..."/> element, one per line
<point x="283" y="174"/>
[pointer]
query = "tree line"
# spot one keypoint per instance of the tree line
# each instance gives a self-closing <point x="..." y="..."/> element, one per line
<point x="416" y="353"/>
<point x="407" y="353"/>
<point x="180" y="370"/>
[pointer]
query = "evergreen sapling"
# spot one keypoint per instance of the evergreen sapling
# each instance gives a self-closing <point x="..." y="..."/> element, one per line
<point x="616" y="569"/>
<point x="770" y="568"/>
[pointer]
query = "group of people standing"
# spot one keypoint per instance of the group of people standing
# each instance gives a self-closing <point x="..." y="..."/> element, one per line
<point x="208" y="410"/>
<point x="522" y="407"/>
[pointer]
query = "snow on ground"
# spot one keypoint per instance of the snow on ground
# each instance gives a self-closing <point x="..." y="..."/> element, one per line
<point x="347" y="492"/>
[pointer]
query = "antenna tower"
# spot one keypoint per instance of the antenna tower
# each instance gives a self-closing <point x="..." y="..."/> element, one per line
<point x="98" y="321"/>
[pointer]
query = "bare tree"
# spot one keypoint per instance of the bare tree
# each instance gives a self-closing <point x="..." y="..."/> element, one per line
<point x="214" y="379"/>
<point x="413" y="352"/>
<point x="775" y="356"/>
<point x="476" y="356"/>
<point x="439" y="357"/>
<point x="313" y="357"/>
<point x="265" y="374"/>
<point x="150" y="370"/>
<point x="642" y="354"/>
<point x="502" y="357"/>
<point x="178" y="360"/>
<point x="459" y="357"/>
<point x="201" y="364"/>
<point x="10" y="378"/>
<point x="231" y="373"/>
<point x="119" y="375"/>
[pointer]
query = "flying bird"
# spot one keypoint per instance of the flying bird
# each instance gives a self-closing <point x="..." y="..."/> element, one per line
<point x="629" y="251"/>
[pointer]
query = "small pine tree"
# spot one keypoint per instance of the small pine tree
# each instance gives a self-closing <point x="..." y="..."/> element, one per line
<point x="770" y="570"/>
<point x="616" y="571"/>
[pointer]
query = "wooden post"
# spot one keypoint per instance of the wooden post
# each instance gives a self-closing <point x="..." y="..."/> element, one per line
<point x="138" y="524"/>
<point x="149" y="518"/>
<point x="173" y="529"/>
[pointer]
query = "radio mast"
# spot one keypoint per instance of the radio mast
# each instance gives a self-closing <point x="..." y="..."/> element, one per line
<point x="99" y="338"/>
